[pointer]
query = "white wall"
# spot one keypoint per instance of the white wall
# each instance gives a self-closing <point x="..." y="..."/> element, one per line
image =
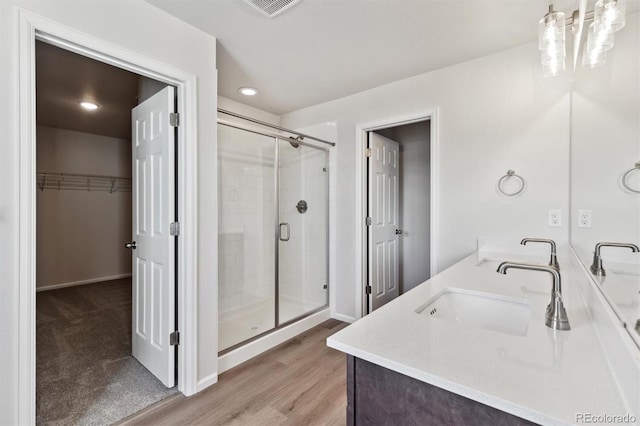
<point x="81" y="234"/>
<point x="247" y="111"/>
<point x="143" y="29"/>
<point x="494" y="113"/>
<point x="415" y="201"/>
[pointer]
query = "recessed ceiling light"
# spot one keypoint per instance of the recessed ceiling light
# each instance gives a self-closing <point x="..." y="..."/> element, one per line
<point x="248" y="91"/>
<point x="89" y="105"/>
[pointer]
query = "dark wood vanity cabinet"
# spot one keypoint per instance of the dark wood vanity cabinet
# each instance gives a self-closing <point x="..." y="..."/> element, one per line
<point x="379" y="396"/>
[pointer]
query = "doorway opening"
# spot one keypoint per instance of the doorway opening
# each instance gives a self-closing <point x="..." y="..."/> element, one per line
<point x="398" y="176"/>
<point x="105" y="257"/>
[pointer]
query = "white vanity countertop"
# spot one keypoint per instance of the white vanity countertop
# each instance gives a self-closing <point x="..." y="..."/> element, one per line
<point x="546" y="377"/>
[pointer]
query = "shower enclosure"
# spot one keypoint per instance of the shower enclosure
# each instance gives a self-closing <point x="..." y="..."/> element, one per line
<point x="273" y="204"/>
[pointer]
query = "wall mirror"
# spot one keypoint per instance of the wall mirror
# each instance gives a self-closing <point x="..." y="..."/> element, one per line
<point x="605" y="181"/>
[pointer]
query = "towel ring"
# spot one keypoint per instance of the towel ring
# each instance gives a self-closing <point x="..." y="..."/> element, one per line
<point x="625" y="176"/>
<point x="510" y="173"/>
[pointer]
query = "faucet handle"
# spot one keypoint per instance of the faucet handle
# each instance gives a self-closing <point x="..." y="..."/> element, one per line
<point x="553" y="261"/>
<point x="540" y="240"/>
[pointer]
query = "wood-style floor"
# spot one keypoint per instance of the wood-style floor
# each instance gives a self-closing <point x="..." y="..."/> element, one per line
<point x="301" y="382"/>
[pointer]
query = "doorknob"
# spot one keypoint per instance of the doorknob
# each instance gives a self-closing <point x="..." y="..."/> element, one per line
<point x="398" y="231"/>
<point x="131" y="245"/>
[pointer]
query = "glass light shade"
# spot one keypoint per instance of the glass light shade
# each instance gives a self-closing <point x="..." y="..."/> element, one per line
<point x="551" y="30"/>
<point x="552" y="67"/>
<point x="592" y="58"/>
<point x="554" y="51"/>
<point x="597" y="38"/>
<point x="609" y="15"/>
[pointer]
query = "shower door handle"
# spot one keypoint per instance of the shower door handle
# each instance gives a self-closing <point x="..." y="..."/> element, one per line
<point x="288" y="231"/>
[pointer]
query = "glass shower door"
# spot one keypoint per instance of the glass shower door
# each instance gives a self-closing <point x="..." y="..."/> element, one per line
<point x="303" y="209"/>
<point x="246" y="220"/>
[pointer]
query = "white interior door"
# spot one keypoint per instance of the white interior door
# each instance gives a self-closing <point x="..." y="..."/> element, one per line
<point x="153" y="302"/>
<point x="383" y="210"/>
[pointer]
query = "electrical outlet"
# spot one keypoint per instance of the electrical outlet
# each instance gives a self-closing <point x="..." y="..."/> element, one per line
<point x="584" y="218"/>
<point x="555" y="218"/>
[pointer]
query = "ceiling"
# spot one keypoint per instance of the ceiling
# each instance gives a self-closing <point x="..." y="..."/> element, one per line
<point x="64" y="79"/>
<point x="320" y="50"/>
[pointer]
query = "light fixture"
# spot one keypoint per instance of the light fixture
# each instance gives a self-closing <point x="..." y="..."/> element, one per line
<point x="598" y="43"/>
<point x="89" y="105"/>
<point x="248" y="91"/>
<point x="608" y="16"/>
<point x="551" y="42"/>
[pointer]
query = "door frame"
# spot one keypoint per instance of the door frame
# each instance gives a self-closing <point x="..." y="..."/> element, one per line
<point x="362" y="130"/>
<point x="33" y="27"/>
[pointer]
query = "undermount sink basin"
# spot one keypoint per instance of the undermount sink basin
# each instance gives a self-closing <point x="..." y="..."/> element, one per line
<point x="474" y="309"/>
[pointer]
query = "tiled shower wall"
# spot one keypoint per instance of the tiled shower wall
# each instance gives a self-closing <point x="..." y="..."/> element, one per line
<point x="246" y="244"/>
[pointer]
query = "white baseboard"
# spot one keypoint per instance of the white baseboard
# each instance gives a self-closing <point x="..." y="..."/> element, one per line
<point x="211" y="379"/>
<point x="251" y="349"/>
<point x="344" y="318"/>
<point x="82" y="282"/>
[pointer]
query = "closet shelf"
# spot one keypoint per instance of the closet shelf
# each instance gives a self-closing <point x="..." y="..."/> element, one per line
<point x="71" y="181"/>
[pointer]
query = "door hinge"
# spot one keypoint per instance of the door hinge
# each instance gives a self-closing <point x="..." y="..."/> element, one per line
<point x="174" y="119"/>
<point x="367" y="289"/>
<point x="325" y="287"/>
<point x="368" y="221"/>
<point x="174" y="228"/>
<point x="367" y="152"/>
<point x="174" y="338"/>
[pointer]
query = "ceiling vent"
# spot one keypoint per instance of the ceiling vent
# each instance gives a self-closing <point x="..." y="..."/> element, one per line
<point x="272" y="8"/>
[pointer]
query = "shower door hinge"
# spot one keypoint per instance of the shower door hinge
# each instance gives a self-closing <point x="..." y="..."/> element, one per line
<point x="174" y="229"/>
<point x="367" y="289"/>
<point x="174" y="119"/>
<point x="368" y="220"/>
<point x="174" y="338"/>
<point x="367" y="152"/>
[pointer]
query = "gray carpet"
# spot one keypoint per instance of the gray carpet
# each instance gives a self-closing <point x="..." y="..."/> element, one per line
<point x="85" y="373"/>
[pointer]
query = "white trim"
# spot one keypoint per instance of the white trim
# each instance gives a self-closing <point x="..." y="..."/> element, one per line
<point x="82" y="282"/>
<point x="27" y="224"/>
<point x="87" y="45"/>
<point x="258" y="346"/>
<point x="360" y="226"/>
<point x="343" y="318"/>
<point x="210" y="380"/>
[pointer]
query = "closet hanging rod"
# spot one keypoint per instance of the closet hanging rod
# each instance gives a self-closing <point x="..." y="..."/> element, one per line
<point x="273" y="126"/>
<point x="82" y="176"/>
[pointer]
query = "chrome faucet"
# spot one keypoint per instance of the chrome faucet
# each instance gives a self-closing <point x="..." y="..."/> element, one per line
<point x="554" y="259"/>
<point x="596" y="266"/>
<point x="556" y="315"/>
